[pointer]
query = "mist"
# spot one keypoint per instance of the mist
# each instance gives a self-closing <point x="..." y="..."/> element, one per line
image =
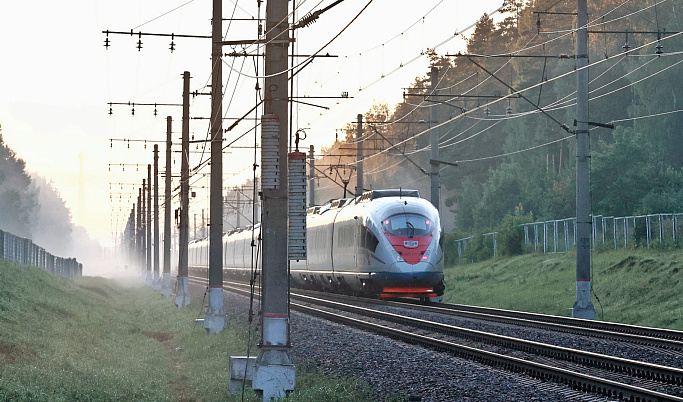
<point x="52" y="228"/>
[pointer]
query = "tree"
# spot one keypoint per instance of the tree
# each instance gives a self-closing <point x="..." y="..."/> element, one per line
<point x="17" y="197"/>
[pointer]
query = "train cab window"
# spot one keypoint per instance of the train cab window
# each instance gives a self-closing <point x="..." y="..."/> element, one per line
<point x="368" y="239"/>
<point x="407" y="225"/>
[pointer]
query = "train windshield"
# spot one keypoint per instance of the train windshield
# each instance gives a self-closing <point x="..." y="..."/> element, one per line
<point x="407" y="225"/>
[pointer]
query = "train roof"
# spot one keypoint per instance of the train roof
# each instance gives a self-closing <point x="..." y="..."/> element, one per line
<point x="375" y="194"/>
<point x="366" y="196"/>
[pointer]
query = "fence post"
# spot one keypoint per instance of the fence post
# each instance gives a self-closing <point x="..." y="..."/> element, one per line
<point x="625" y="232"/>
<point x="495" y="245"/>
<point x="647" y="224"/>
<point x="673" y="224"/>
<point x="545" y="237"/>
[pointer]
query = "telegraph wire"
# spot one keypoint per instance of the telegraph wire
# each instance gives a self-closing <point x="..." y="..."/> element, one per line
<point x="164" y="14"/>
<point x="521" y="90"/>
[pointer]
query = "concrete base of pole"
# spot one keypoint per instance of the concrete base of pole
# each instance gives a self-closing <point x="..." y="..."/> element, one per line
<point x="182" y="292"/>
<point x="274" y="374"/>
<point x="166" y="286"/>
<point x="148" y="278"/>
<point x="214" y="321"/>
<point x="583" y="307"/>
<point x="241" y="372"/>
<point x="156" y="281"/>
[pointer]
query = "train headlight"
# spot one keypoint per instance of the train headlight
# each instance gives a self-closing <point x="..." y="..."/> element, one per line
<point x="396" y="255"/>
<point x="425" y="257"/>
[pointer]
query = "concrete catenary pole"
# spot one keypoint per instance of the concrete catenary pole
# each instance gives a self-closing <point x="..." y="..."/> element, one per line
<point x="238" y="207"/>
<point x="434" y="141"/>
<point x="360" y="184"/>
<point x="148" y="229"/>
<point x="274" y="373"/>
<point x="156" y="282"/>
<point x="311" y="176"/>
<point x="138" y="237"/>
<point x="166" y="281"/>
<point x="144" y="257"/>
<point x="583" y="307"/>
<point x="182" y="297"/>
<point x="214" y="320"/>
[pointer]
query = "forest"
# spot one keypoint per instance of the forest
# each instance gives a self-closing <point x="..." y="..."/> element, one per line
<point x="499" y="110"/>
<point x="32" y="208"/>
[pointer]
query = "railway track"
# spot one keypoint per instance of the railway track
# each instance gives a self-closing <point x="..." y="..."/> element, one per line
<point x="589" y="372"/>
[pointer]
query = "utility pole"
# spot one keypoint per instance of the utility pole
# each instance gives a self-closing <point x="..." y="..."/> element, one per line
<point x="182" y="297"/>
<point x="274" y="373"/>
<point x="583" y="307"/>
<point x="359" y="156"/>
<point x="434" y="141"/>
<point x="214" y="321"/>
<point x="311" y="176"/>
<point x="156" y="283"/>
<point x="148" y="227"/>
<point x="166" y="282"/>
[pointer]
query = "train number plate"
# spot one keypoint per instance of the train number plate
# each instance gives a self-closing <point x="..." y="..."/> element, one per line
<point x="410" y="243"/>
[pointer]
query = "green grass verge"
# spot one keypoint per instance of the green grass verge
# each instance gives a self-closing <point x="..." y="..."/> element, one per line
<point x="639" y="287"/>
<point x="100" y="339"/>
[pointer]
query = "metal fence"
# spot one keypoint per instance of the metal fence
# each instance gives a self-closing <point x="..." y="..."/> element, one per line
<point x="559" y="236"/>
<point x="24" y="251"/>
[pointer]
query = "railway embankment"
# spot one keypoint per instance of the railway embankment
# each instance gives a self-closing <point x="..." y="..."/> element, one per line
<point x="115" y="339"/>
<point x="636" y="286"/>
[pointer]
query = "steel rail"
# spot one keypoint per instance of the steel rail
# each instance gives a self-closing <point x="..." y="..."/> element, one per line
<point x="577" y="381"/>
<point x="574" y="380"/>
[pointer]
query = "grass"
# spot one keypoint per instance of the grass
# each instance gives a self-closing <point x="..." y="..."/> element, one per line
<point x="636" y="286"/>
<point x="97" y="339"/>
<point x="100" y="339"/>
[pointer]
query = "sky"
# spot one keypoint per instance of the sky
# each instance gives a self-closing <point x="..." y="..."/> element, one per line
<point x="58" y="78"/>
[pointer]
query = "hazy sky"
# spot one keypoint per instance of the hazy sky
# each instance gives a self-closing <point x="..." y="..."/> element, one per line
<point x="57" y="78"/>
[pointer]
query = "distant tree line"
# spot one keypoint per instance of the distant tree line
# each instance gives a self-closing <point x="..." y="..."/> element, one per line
<point x="30" y="207"/>
<point x="515" y="164"/>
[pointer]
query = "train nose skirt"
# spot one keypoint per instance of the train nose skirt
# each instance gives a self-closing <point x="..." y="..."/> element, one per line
<point x="390" y="293"/>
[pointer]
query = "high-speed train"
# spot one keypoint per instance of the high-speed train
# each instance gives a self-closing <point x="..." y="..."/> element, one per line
<point x="384" y="243"/>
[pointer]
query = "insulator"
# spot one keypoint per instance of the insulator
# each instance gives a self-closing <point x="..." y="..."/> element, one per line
<point x="538" y="23"/>
<point x="509" y="108"/>
<point x="487" y="111"/>
<point x="155" y="112"/>
<point x="132" y="111"/>
<point x="626" y="46"/>
<point x="106" y="42"/>
<point x="296" y="244"/>
<point x="659" y="46"/>
<point x="111" y="112"/>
